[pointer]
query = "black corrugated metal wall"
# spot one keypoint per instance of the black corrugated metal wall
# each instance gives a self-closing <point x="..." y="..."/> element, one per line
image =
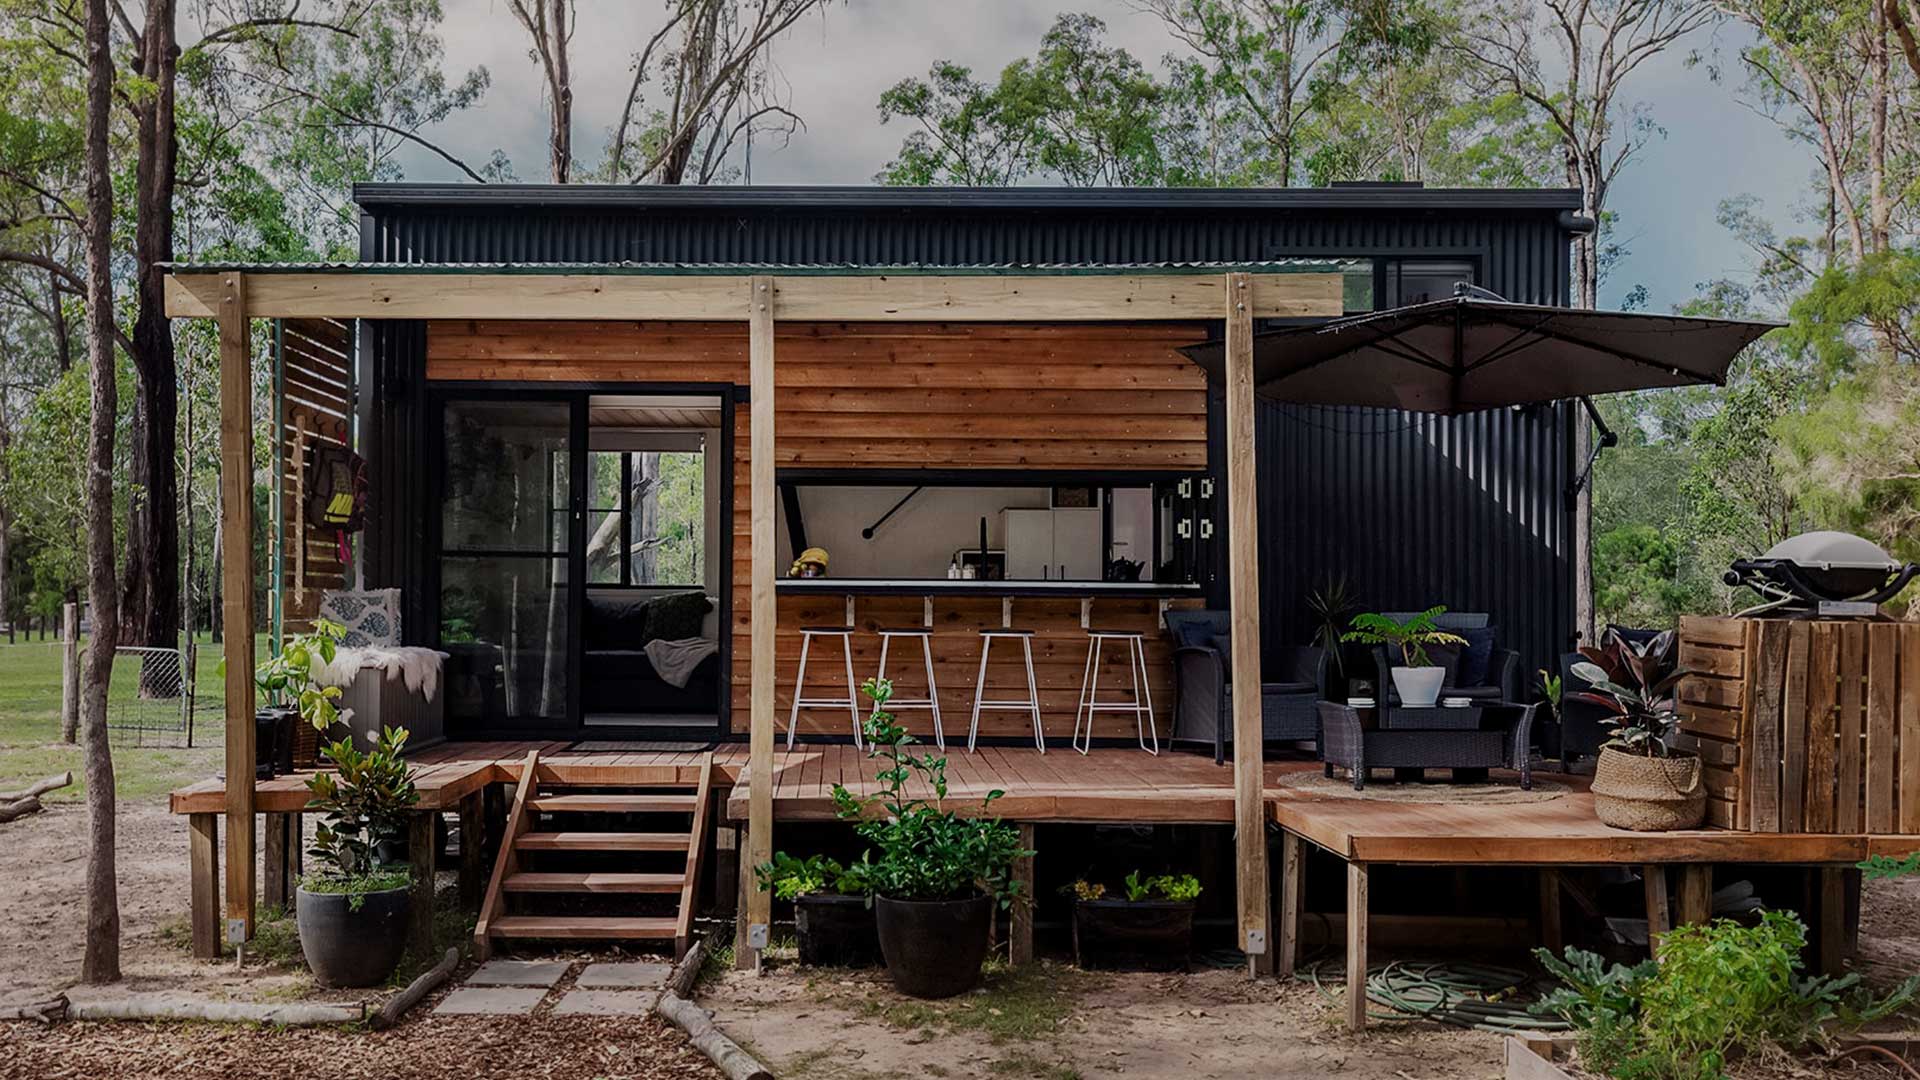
<point x="1467" y="512"/>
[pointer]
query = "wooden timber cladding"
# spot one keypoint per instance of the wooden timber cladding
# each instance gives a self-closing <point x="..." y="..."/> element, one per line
<point x="1805" y="726"/>
<point x="316" y="378"/>
<point x="894" y="395"/>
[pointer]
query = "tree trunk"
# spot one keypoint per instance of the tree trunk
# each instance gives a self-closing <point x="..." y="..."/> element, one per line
<point x="561" y="86"/>
<point x="1586" y="294"/>
<point x="102" y="960"/>
<point x="151" y="604"/>
<point x="62" y="341"/>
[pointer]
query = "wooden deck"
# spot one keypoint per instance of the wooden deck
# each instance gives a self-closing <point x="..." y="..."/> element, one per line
<point x="1118" y="785"/>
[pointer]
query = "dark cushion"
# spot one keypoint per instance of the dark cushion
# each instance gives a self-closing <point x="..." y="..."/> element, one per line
<point x="1476" y="657"/>
<point x="1446" y="656"/>
<point x="1288" y="688"/>
<point x="1195" y="634"/>
<point x="614" y="621"/>
<point x="676" y="617"/>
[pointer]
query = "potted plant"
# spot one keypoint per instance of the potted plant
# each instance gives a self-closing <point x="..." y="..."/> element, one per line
<point x="285" y="682"/>
<point x="1150" y="928"/>
<point x="830" y="906"/>
<point x="1640" y="783"/>
<point x="937" y="877"/>
<point x="1417" y="678"/>
<point x="1332" y="603"/>
<point x="352" y="907"/>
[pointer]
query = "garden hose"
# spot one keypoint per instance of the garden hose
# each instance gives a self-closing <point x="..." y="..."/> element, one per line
<point x="1484" y="997"/>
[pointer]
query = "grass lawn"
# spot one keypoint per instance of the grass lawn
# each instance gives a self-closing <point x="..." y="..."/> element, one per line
<point x="30" y="746"/>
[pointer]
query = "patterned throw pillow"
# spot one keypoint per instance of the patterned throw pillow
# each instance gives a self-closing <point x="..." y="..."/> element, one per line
<point x="677" y="617"/>
<point x="371" y="616"/>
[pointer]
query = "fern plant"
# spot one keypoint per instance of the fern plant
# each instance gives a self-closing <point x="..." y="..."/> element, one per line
<point x="1411" y="637"/>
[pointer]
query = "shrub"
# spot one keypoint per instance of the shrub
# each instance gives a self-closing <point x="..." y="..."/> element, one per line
<point x="1718" y="993"/>
<point x="925" y="851"/>
<point x="362" y="803"/>
<point x="792" y="878"/>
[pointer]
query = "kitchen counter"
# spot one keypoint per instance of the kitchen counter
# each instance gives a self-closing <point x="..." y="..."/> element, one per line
<point x="1070" y="590"/>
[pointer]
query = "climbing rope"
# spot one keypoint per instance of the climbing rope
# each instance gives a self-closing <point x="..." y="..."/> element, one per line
<point x="1485" y="997"/>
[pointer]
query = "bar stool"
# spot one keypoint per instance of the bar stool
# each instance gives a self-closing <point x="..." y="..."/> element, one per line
<point x="931" y="702"/>
<point x="1030" y="704"/>
<point x="851" y="702"/>
<point x="1141" y="704"/>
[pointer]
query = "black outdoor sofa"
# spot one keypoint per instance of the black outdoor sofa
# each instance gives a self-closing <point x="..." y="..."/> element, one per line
<point x="1293" y="678"/>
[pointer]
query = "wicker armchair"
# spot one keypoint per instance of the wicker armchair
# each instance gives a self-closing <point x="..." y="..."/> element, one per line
<point x="1292" y="680"/>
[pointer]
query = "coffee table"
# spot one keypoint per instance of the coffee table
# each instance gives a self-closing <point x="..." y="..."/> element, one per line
<point x="1408" y="740"/>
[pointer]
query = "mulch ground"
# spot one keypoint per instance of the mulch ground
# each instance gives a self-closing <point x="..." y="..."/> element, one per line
<point x="429" y="1048"/>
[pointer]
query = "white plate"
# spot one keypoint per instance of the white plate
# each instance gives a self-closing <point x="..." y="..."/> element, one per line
<point x="1360" y="703"/>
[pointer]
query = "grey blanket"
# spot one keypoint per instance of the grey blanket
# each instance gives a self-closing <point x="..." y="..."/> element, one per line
<point x="674" y="661"/>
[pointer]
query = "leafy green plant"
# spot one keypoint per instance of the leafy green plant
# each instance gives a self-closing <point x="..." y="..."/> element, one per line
<point x="1638" y="684"/>
<point x="790" y="878"/>
<point x="1137" y="889"/>
<point x="362" y="802"/>
<point x="925" y="851"/>
<point x="1411" y="637"/>
<point x="1718" y="993"/>
<point x="288" y="678"/>
<point x="1553" y="689"/>
<point x="1176" y="887"/>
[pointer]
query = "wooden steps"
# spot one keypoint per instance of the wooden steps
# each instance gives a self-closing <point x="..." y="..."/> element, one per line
<point x="613" y="804"/>
<point x="603" y="841"/>
<point x="560" y="876"/>
<point x="593" y="883"/>
<point x="584" y="928"/>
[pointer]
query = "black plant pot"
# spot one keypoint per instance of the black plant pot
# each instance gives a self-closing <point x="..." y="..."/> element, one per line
<point x="837" y="931"/>
<point x="345" y="947"/>
<point x="933" y="948"/>
<point x="1145" y="935"/>
<point x="267" y="726"/>
<point x="283" y="735"/>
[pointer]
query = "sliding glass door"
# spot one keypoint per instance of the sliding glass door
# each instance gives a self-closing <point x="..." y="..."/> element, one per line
<point x="508" y="538"/>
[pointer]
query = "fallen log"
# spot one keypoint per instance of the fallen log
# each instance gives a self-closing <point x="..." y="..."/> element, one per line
<point x="51" y="783"/>
<point x="47" y="1013"/>
<point x="709" y="1040"/>
<point x="419" y="988"/>
<point x="687" y="971"/>
<point x="162" y="1007"/>
<point x="19" y="808"/>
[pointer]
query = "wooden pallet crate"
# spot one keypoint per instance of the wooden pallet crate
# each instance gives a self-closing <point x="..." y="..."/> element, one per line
<point x="1801" y="724"/>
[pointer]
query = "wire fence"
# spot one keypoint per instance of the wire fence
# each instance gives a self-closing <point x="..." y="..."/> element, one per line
<point x="151" y="699"/>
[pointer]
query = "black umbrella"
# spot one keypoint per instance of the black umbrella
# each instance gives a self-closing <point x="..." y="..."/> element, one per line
<point x="1475" y="351"/>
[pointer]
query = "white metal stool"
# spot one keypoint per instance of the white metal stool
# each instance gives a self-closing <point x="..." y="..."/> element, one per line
<point x="851" y="702"/>
<point x="1031" y="704"/>
<point x="1141" y="704"/>
<point x="932" y="701"/>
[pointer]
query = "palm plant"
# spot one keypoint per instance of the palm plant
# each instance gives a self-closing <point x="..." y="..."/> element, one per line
<point x="1411" y="637"/>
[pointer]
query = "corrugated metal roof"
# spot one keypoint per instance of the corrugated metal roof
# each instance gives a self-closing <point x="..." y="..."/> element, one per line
<point x="794" y="197"/>
<point x="1269" y="266"/>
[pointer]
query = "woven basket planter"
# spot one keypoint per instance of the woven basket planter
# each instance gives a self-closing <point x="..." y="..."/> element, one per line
<point x="1648" y="794"/>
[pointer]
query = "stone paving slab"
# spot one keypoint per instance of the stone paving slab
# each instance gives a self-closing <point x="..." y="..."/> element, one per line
<point x="490" y="1001"/>
<point x="541" y="973"/>
<point x="628" y="975"/>
<point x="606" y="1003"/>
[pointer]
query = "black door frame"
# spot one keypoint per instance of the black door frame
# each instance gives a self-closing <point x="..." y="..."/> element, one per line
<point x="576" y="395"/>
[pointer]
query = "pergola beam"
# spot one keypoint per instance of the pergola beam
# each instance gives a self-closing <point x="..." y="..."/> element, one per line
<point x="990" y="297"/>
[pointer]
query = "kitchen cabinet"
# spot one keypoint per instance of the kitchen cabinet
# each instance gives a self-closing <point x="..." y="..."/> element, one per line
<point x="1053" y="545"/>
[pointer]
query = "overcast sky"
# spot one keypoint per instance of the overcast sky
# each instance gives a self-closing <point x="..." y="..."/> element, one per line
<point x="837" y="64"/>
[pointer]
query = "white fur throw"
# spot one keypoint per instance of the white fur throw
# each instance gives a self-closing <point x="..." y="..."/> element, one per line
<point x="420" y="667"/>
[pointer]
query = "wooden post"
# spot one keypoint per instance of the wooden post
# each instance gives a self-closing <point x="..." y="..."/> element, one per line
<point x="473" y="866"/>
<point x="1020" y="934"/>
<point x="203" y="875"/>
<point x="236" y="588"/>
<point x="69" y="671"/>
<point x="1833" y="920"/>
<point x="1293" y="885"/>
<point x="1356" y="945"/>
<point x="422" y="849"/>
<point x="1551" y="937"/>
<point x="1243" y="573"/>
<point x="1659" y="920"/>
<point x="274" y="890"/>
<point x="1696" y="895"/>
<point x="761" y="670"/>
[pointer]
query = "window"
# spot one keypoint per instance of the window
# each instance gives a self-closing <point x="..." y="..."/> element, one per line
<point x="1411" y="281"/>
<point x="647" y="510"/>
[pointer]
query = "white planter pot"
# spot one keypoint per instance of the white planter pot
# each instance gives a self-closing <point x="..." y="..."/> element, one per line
<point x="1419" y="686"/>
